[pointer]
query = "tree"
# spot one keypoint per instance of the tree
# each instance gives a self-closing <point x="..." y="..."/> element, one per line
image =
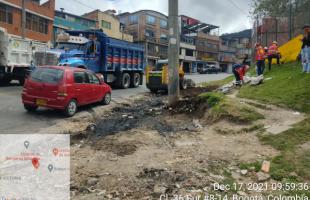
<point x="279" y="8"/>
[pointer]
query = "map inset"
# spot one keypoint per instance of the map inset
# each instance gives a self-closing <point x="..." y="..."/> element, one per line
<point x="34" y="167"/>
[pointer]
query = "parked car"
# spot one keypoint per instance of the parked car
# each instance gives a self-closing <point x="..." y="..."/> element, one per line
<point x="64" y="88"/>
<point x="208" y="69"/>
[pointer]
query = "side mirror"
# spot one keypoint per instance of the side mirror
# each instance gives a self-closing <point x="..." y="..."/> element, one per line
<point x="100" y="77"/>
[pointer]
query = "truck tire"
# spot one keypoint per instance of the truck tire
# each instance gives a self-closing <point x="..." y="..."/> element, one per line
<point x="5" y="81"/>
<point x="183" y="84"/>
<point x="124" y="81"/>
<point x="155" y="91"/>
<point x="135" y="80"/>
<point x="21" y="81"/>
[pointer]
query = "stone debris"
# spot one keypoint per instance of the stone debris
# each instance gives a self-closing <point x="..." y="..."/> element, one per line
<point x="244" y="172"/>
<point x="265" y="166"/>
<point x="261" y="176"/>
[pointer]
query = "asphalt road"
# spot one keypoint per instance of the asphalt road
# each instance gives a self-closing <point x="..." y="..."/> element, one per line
<point x="14" y="119"/>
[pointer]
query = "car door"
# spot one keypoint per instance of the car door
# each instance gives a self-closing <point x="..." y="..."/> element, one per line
<point x="97" y="91"/>
<point x="82" y="87"/>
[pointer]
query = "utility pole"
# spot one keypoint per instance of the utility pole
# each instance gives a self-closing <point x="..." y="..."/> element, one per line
<point x="23" y="18"/>
<point x="173" y="53"/>
<point x="290" y="19"/>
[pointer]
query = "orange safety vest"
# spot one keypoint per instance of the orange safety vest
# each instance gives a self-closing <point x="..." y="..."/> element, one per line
<point x="260" y="53"/>
<point x="273" y="50"/>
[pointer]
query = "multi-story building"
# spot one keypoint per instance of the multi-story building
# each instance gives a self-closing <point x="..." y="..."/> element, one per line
<point x="110" y="24"/>
<point x="205" y="37"/>
<point x="39" y="18"/>
<point x="149" y="28"/>
<point x="66" y="21"/>
<point x="234" y="46"/>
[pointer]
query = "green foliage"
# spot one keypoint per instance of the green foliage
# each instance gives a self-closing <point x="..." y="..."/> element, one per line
<point x="256" y="165"/>
<point x="288" y="87"/>
<point x="279" y="7"/>
<point x="234" y="111"/>
<point x="289" y="139"/>
<point x="212" y="98"/>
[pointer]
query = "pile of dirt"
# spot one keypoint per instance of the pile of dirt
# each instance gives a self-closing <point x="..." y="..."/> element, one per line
<point x="191" y="103"/>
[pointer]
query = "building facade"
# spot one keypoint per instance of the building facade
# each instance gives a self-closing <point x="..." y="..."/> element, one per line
<point x="110" y="24"/>
<point x="204" y="36"/>
<point x="66" y="21"/>
<point x="39" y="19"/>
<point x="150" y="29"/>
<point x="233" y="47"/>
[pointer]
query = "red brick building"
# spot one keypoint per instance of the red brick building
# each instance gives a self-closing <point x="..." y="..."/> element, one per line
<point x="39" y="18"/>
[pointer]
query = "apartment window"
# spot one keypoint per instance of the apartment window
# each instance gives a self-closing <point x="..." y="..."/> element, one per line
<point x="163" y="23"/>
<point x="150" y="20"/>
<point x="133" y="19"/>
<point x="36" y="23"/>
<point x="105" y="24"/>
<point x="149" y="33"/>
<point x="6" y="14"/>
<point x="163" y="36"/>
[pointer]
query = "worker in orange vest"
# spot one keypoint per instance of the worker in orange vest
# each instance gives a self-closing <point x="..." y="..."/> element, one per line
<point x="273" y="52"/>
<point x="260" y="58"/>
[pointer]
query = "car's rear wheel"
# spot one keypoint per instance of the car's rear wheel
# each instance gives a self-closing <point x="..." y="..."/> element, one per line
<point x="71" y="108"/>
<point x="135" y="81"/>
<point x="30" y="108"/>
<point x="106" y="99"/>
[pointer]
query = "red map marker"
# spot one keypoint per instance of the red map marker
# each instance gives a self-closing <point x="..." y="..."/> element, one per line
<point x="55" y="151"/>
<point x="35" y="163"/>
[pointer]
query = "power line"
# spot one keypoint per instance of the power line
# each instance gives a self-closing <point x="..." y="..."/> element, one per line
<point x="84" y="4"/>
<point x="239" y="8"/>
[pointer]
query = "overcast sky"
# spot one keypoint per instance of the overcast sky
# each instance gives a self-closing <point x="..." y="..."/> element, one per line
<point x="230" y="15"/>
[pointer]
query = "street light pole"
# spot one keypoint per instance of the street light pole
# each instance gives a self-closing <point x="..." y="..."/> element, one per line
<point x="173" y="53"/>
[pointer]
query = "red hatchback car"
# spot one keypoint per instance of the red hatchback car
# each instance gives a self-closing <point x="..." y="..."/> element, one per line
<point x="64" y="88"/>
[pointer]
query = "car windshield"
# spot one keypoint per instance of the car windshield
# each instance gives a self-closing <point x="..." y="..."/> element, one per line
<point x="70" y="46"/>
<point x="47" y="75"/>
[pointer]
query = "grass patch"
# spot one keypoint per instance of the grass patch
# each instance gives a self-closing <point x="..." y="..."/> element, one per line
<point x="250" y="166"/>
<point x="289" y="139"/>
<point x="212" y="98"/>
<point x="233" y="110"/>
<point x="219" y="82"/>
<point x="291" y="159"/>
<point x="288" y="87"/>
<point x="255" y="127"/>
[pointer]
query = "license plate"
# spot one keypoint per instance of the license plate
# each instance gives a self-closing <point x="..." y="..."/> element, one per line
<point x="41" y="102"/>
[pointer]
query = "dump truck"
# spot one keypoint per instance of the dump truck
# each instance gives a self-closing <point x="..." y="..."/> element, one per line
<point x="16" y="56"/>
<point x="120" y="62"/>
<point x="157" y="77"/>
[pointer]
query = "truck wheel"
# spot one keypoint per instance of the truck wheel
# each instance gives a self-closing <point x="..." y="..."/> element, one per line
<point x="71" y="108"/>
<point x="183" y="84"/>
<point x="30" y="108"/>
<point x="21" y="81"/>
<point x="135" y="81"/>
<point x="5" y="81"/>
<point x="154" y="91"/>
<point x="125" y="81"/>
<point x="106" y="99"/>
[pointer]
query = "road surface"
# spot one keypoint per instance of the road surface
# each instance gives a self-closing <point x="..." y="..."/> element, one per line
<point x="14" y="119"/>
